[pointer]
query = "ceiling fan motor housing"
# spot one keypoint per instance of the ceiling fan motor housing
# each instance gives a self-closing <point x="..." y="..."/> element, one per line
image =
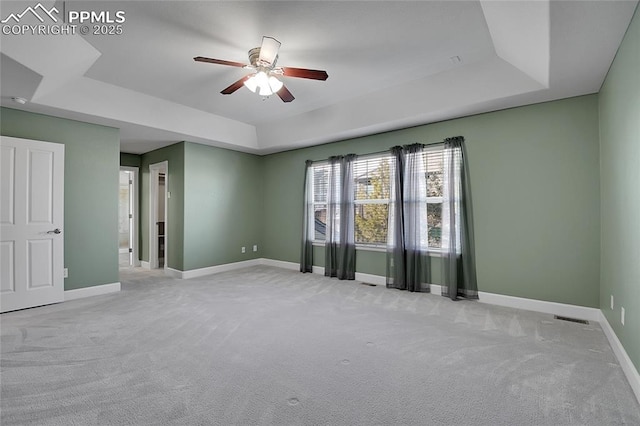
<point x="254" y="55"/>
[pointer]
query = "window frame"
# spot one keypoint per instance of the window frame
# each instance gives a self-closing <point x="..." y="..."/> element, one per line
<point x="374" y="247"/>
<point x="380" y="156"/>
<point x="435" y="199"/>
<point x="311" y="232"/>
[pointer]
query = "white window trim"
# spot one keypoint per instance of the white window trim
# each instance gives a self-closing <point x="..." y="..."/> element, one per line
<point x="372" y="201"/>
<point x="433" y="251"/>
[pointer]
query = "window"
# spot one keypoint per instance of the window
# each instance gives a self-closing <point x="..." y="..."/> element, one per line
<point x="372" y="174"/>
<point x="319" y="187"/>
<point x="433" y="158"/>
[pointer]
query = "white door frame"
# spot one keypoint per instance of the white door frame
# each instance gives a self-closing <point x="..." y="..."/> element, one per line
<point x="154" y="173"/>
<point x="134" y="207"/>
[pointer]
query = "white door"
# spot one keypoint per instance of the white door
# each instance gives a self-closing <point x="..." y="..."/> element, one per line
<point x="125" y="219"/>
<point x="31" y="219"/>
<point x="158" y="215"/>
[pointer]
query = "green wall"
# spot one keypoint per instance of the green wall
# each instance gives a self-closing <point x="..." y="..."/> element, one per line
<point x="535" y="182"/>
<point x="620" y="189"/>
<point x="174" y="155"/>
<point x="223" y="206"/>
<point x="214" y="209"/>
<point x="535" y="178"/>
<point x="90" y="190"/>
<point x="130" y="160"/>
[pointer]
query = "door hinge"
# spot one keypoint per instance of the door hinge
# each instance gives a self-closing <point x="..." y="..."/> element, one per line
<point x="130" y="250"/>
<point x="130" y="216"/>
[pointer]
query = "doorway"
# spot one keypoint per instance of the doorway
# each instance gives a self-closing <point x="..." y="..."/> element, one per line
<point x="158" y="218"/>
<point x="128" y="218"/>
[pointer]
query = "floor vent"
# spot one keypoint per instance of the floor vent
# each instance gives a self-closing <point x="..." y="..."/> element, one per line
<point x="369" y="284"/>
<point x="579" y="321"/>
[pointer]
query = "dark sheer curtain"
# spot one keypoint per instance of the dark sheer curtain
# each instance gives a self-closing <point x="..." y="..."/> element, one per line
<point x="395" y="228"/>
<point x="407" y="246"/>
<point x="458" y="251"/>
<point x="415" y="218"/>
<point x="340" y="247"/>
<point x="306" y="252"/>
<point x="347" y="258"/>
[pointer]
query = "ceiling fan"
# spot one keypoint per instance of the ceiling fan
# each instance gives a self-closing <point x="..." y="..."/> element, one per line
<point x="264" y="79"/>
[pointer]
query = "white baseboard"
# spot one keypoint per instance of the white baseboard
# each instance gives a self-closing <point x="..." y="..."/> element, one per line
<point x="145" y="265"/>
<point x="435" y="289"/>
<point x="370" y="279"/>
<point x="360" y="276"/>
<point x="174" y="273"/>
<point x="195" y="273"/>
<point x="280" y="264"/>
<point x="96" y="290"/>
<point x="628" y="368"/>
<point x="554" y="308"/>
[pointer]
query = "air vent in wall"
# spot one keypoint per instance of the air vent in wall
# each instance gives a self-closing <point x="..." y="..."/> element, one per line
<point x="579" y="321"/>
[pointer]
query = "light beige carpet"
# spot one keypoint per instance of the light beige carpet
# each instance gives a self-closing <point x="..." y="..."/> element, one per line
<point x="265" y="346"/>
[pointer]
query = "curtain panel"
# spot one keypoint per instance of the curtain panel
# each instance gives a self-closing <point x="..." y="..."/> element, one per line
<point x="395" y="229"/>
<point x="306" y="251"/>
<point x="458" y="248"/>
<point x="340" y="247"/>
<point x="407" y="248"/>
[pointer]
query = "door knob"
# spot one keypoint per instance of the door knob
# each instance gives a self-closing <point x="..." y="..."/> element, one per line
<point x="55" y="231"/>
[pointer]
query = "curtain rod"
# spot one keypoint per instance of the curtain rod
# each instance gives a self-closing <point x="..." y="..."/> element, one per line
<point x="389" y="150"/>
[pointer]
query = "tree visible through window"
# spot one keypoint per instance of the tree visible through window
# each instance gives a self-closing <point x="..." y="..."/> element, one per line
<point x="372" y="176"/>
<point x="372" y="200"/>
<point x="435" y="183"/>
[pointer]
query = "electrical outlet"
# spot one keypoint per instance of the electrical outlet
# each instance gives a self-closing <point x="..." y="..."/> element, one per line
<point x="243" y="250"/>
<point x="622" y="315"/>
<point x="65" y="272"/>
<point x="612" y="302"/>
<point x="255" y="247"/>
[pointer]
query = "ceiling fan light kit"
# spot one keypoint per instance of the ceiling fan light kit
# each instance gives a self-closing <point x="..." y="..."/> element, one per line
<point x="263" y="62"/>
<point x="267" y="85"/>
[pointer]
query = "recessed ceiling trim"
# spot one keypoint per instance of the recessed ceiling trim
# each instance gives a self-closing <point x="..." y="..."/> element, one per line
<point x="513" y="53"/>
<point x="520" y="31"/>
<point x="63" y="61"/>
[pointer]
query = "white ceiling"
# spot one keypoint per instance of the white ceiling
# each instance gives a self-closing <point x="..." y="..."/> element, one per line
<point x="389" y="63"/>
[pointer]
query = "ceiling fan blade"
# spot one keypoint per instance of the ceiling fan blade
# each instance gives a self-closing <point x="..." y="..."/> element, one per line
<point x="219" y="61"/>
<point x="269" y="50"/>
<point x="304" y="73"/>
<point x="235" y="86"/>
<point x="285" y="94"/>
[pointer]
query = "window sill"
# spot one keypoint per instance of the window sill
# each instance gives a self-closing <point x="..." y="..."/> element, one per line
<point x="380" y="249"/>
<point x="365" y="247"/>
